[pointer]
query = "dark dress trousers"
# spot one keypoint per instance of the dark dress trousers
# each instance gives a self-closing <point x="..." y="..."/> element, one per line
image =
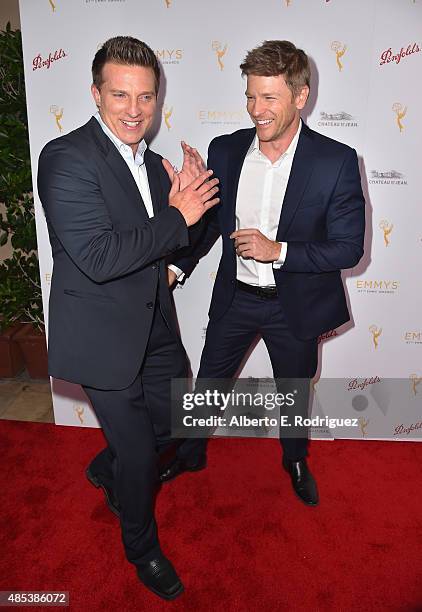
<point x="112" y="327"/>
<point x="322" y="220"/>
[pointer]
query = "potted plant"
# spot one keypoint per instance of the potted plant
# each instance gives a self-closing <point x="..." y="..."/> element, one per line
<point x="20" y="286"/>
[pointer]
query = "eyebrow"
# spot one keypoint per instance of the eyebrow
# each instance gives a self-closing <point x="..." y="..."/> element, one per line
<point x="143" y="93"/>
<point x="265" y="93"/>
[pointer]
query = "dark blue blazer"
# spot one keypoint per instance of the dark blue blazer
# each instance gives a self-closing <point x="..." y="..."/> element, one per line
<point x="109" y="257"/>
<point x="322" y="220"/>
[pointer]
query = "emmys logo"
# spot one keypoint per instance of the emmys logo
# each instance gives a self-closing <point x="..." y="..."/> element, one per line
<point x="169" y="56"/>
<point x="339" y="49"/>
<point x="388" y="56"/>
<point x="167" y="112"/>
<point x="79" y="411"/>
<point x="376" y="333"/>
<point x="377" y="286"/>
<point x="340" y="119"/>
<point x="168" y="3"/>
<point x="39" y="62"/>
<point x="413" y="337"/>
<point x="288" y="2"/>
<point x="386" y="229"/>
<point x="53" y="6"/>
<point x="47" y="278"/>
<point x="217" y="117"/>
<point x="391" y="177"/>
<point x="400" y="114"/>
<point x="363" y="424"/>
<point x="415" y="381"/>
<point x="58" y="114"/>
<point x="220" y="52"/>
<point x="213" y="276"/>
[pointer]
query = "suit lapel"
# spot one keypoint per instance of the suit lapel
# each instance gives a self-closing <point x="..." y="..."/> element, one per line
<point x="118" y="166"/>
<point x="155" y="186"/>
<point x="302" y="168"/>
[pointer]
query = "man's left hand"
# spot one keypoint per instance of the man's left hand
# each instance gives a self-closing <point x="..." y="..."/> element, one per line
<point x="252" y="244"/>
<point x="193" y="166"/>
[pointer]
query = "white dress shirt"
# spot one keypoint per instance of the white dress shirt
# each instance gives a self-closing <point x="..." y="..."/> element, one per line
<point x="260" y="195"/>
<point x="136" y="164"/>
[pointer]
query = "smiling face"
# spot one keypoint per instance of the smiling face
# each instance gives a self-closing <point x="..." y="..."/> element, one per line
<point x="127" y="101"/>
<point x="272" y="107"/>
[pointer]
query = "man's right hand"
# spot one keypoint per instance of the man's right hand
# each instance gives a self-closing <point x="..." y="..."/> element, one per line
<point x="194" y="200"/>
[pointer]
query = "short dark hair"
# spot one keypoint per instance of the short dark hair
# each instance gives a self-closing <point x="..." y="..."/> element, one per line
<point x="127" y="51"/>
<point x="275" y="57"/>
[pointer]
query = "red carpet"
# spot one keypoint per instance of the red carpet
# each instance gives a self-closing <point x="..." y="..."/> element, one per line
<point x="237" y="535"/>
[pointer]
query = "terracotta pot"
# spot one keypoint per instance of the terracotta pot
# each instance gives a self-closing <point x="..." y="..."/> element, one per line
<point x="34" y="348"/>
<point x="11" y="357"/>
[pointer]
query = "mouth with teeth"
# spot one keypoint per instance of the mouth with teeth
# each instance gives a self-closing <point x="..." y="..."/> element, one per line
<point x="131" y="125"/>
<point x="263" y="122"/>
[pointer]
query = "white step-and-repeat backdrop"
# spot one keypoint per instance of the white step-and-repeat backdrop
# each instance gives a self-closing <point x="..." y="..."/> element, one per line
<point x="366" y="91"/>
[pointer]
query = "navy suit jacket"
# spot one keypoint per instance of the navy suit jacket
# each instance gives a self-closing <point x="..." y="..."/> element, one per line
<point x="109" y="257"/>
<point x="322" y="220"/>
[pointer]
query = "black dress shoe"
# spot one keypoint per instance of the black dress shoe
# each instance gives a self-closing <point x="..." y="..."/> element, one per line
<point x="178" y="466"/>
<point x="102" y="483"/>
<point x="303" y="482"/>
<point x="159" y="576"/>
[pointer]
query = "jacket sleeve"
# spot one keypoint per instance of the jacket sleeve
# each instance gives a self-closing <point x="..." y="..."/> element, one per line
<point x="75" y="208"/>
<point x="343" y="246"/>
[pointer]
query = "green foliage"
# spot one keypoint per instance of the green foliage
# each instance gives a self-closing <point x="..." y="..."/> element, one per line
<point x="20" y="287"/>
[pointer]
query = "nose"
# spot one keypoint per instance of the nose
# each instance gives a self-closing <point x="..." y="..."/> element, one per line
<point x="257" y="108"/>
<point x="134" y="107"/>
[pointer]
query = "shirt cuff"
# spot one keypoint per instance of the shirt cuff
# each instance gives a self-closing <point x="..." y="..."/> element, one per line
<point x="180" y="275"/>
<point x="283" y="254"/>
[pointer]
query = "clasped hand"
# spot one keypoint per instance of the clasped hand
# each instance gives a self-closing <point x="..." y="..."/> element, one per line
<point x="252" y="244"/>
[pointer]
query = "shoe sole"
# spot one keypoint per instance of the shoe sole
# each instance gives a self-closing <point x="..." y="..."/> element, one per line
<point x="97" y="484"/>
<point x="192" y="469"/>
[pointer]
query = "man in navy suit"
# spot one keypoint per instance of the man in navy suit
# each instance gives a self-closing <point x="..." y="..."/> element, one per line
<point x="291" y="217"/>
<point x="113" y="217"/>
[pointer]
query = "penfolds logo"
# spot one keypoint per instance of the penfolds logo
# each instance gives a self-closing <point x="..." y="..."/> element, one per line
<point x="356" y="384"/>
<point x="388" y="56"/>
<point x="330" y="334"/>
<point x="40" y="62"/>
<point x="407" y="429"/>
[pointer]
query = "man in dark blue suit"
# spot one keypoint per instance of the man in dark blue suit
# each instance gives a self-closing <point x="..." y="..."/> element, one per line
<point x="291" y="217"/>
<point x="113" y="217"/>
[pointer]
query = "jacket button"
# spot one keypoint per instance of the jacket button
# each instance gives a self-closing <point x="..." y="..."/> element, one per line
<point x="232" y="281"/>
<point x="150" y="305"/>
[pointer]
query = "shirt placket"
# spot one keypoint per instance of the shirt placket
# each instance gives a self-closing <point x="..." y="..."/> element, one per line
<point x="263" y="277"/>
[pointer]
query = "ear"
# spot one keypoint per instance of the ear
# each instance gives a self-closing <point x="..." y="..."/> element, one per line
<point x="302" y="97"/>
<point x="96" y="95"/>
